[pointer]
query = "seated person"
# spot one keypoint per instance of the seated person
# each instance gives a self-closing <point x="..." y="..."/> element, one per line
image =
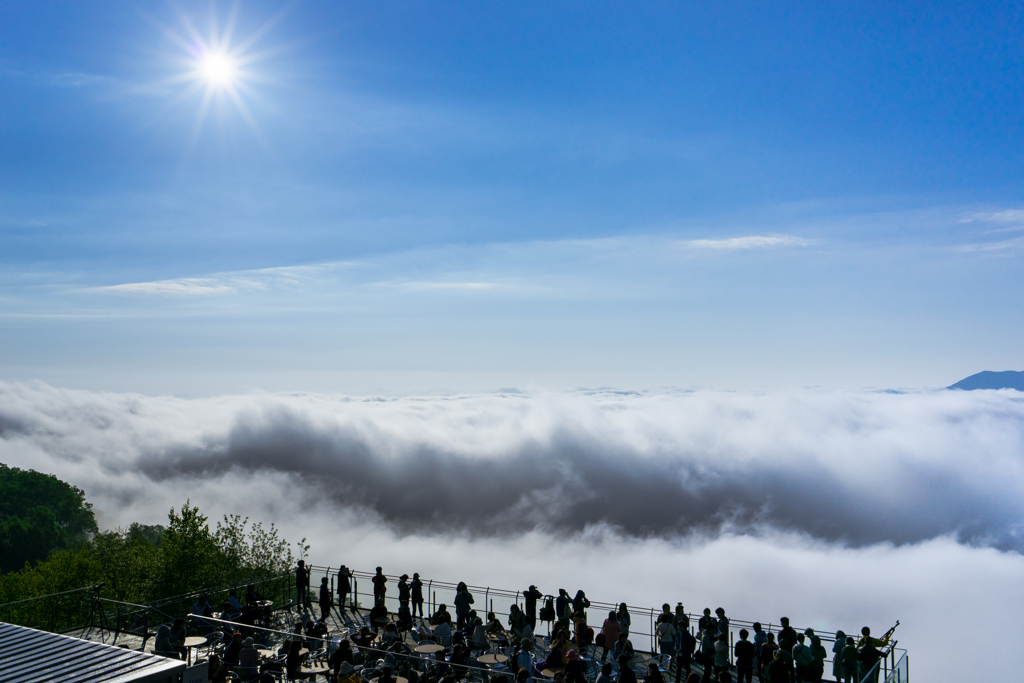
<point x="478" y="640"/>
<point x="293" y="662"/>
<point x="217" y="671"/>
<point x="233" y="605"/>
<point x="365" y="637"/>
<point x="233" y="651"/>
<point x="391" y="635"/>
<point x="165" y="643"/>
<point x="342" y="655"/>
<point x="443" y="633"/>
<point x="441" y="616"/>
<point x="248" y="656"/>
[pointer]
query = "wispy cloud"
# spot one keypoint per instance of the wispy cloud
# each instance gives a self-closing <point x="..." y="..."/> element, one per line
<point x="228" y="283"/>
<point x="469" y="286"/>
<point x="1007" y="216"/>
<point x="751" y="242"/>
<point x="1004" y="245"/>
<point x="184" y="286"/>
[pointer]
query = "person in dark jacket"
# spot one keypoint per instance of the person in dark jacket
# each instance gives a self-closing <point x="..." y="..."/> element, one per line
<point x="301" y="584"/>
<point x="580" y="602"/>
<point x="416" y="594"/>
<point x="781" y="668"/>
<point x="744" y="653"/>
<point x="325" y="599"/>
<point x="380" y="587"/>
<point x="684" y="655"/>
<point x="562" y="606"/>
<point x="787" y="636"/>
<point x="344" y="586"/>
<point x="530" y="598"/>
<point x="463" y="600"/>
<point x="626" y="674"/>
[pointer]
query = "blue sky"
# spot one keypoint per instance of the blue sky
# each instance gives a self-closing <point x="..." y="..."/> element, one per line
<point x="450" y="196"/>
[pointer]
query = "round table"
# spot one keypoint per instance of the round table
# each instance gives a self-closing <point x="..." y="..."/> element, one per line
<point x="490" y="659"/>
<point x="191" y="642"/>
<point x="550" y="673"/>
<point x="398" y="679"/>
<point x="316" y="669"/>
<point x="428" y="648"/>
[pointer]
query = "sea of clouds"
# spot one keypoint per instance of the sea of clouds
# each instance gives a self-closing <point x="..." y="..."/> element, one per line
<point x="837" y="509"/>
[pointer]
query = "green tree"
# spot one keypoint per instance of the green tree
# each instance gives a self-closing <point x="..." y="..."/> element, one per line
<point x="189" y="558"/>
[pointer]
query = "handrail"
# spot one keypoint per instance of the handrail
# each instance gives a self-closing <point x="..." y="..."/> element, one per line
<point x="52" y="595"/>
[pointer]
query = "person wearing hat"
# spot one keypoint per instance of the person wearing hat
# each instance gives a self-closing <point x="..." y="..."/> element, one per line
<point x="248" y="656"/>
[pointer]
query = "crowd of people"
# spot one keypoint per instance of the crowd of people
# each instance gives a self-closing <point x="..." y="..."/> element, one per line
<point x="700" y="652"/>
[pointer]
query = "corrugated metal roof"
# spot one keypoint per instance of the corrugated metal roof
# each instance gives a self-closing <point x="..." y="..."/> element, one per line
<point x="31" y="656"/>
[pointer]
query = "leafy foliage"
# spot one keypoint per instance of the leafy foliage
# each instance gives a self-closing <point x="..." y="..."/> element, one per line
<point x="141" y="564"/>
<point x="39" y="513"/>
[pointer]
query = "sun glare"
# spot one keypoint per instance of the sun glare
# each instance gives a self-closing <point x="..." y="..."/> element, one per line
<point x="217" y="69"/>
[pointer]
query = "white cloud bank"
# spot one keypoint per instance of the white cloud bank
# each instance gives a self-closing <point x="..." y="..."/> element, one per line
<point x="836" y="509"/>
<point x="751" y="242"/>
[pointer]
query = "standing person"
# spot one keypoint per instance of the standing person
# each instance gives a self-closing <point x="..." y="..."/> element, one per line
<point x="325" y="599"/>
<point x="708" y="638"/>
<point x="301" y="583"/>
<point x="803" y="659"/>
<point x="744" y="651"/>
<point x="767" y="655"/>
<point x="580" y="602"/>
<point x="416" y="593"/>
<point x="787" y="636"/>
<point x="837" y="655"/>
<point x="849" y="660"/>
<point x="563" y="610"/>
<point x="404" y="593"/>
<point x="780" y="670"/>
<point x="380" y="587"/>
<point x="759" y="639"/>
<point x="463" y="600"/>
<point x="667" y="636"/>
<point x="868" y="656"/>
<point x="702" y="623"/>
<point x="723" y="621"/>
<point x="684" y="655"/>
<point x="819" y="653"/>
<point x="530" y="598"/>
<point x="609" y="633"/>
<point x="721" y="654"/>
<point x="344" y="586"/>
<point x="623" y="617"/>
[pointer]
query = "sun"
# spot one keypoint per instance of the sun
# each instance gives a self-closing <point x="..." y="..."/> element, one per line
<point x="217" y="69"/>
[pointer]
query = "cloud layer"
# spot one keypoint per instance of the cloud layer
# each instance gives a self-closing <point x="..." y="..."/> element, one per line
<point x="858" y="468"/>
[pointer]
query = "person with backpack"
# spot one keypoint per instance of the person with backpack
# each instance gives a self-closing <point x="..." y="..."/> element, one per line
<point x="803" y="658"/>
<point x="666" y="633"/>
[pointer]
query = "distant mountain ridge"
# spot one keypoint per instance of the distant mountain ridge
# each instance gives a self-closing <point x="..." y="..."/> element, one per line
<point x="1008" y="379"/>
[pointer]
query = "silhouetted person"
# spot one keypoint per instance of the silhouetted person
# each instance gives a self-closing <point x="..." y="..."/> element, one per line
<point x="580" y="602"/>
<point x="744" y="652"/>
<point x="416" y="594"/>
<point x="301" y="583"/>
<point x="780" y="670"/>
<point x="623" y="616"/>
<point x="530" y="598"/>
<point x="404" y="592"/>
<point x="767" y="655"/>
<point x="610" y="632"/>
<point x="463" y="599"/>
<point x="803" y="659"/>
<point x="654" y="674"/>
<point x="787" y="636"/>
<point x="684" y="656"/>
<point x="723" y="621"/>
<point x="325" y="598"/>
<point x="626" y="674"/>
<point x="344" y="586"/>
<point x="380" y="587"/>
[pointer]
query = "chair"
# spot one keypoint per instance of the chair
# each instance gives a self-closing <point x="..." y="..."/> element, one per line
<point x="247" y="673"/>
